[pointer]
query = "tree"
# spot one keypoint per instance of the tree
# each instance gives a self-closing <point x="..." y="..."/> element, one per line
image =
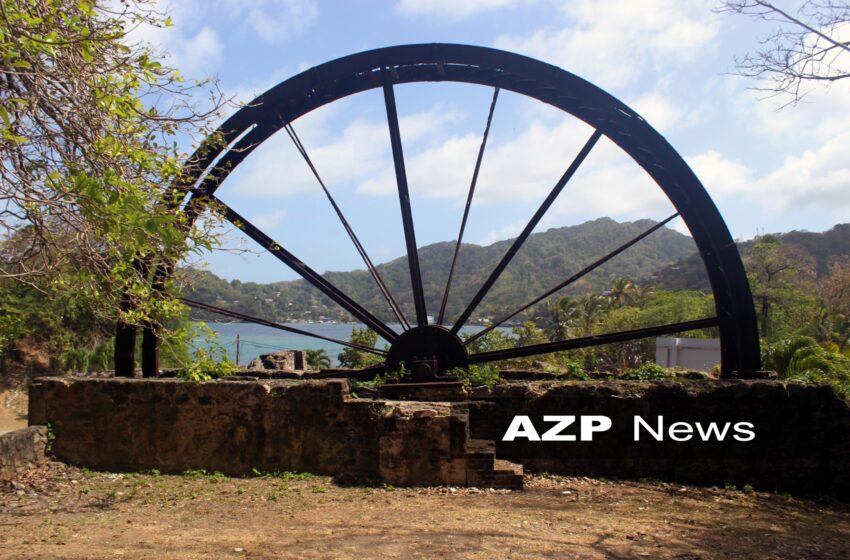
<point x="778" y="274"/>
<point x="317" y="358"/>
<point x="89" y="123"/>
<point x="592" y="310"/>
<point x="661" y="308"/>
<point x="560" y="318"/>
<point x="837" y="296"/>
<point x="353" y="358"/>
<point x="809" y="46"/>
<point x="621" y="291"/>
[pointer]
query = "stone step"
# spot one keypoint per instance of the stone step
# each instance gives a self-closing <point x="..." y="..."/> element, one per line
<point x="484" y="470"/>
<point x="503" y="465"/>
<point x="480" y="447"/>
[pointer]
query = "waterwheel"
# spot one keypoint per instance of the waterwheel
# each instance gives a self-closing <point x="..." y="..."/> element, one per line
<point x="432" y="348"/>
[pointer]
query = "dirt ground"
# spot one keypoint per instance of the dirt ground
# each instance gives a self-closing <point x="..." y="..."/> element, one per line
<point x="63" y="512"/>
<point x="13" y="409"/>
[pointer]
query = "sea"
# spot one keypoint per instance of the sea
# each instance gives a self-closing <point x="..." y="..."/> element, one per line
<point x="258" y="339"/>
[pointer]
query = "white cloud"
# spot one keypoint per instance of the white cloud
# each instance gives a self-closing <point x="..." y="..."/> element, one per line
<point x="612" y="185"/>
<point x="823" y="113"/>
<point x="614" y="42"/>
<point x="195" y="48"/>
<point x="451" y="10"/>
<point x="720" y="176"/>
<point x="361" y="151"/>
<point x="198" y="54"/>
<point x="525" y="168"/>
<point x="270" y="220"/>
<point x="818" y="177"/>
<point x="189" y="45"/>
<point x="507" y="231"/>
<point x="658" y="111"/>
<point x="521" y="168"/>
<point x="275" y="21"/>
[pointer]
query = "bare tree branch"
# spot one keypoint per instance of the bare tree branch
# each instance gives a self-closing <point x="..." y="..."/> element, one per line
<point x="809" y="47"/>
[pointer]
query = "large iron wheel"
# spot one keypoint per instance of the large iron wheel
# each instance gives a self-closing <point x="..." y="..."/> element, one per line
<point x="384" y="68"/>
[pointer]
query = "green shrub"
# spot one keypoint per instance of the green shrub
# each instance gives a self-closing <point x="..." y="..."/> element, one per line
<point x="574" y="370"/>
<point x="75" y="359"/>
<point x="802" y="360"/>
<point x="102" y="357"/>
<point x="477" y="375"/>
<point x="205" y="367"/>
<point x="649" y="371"/>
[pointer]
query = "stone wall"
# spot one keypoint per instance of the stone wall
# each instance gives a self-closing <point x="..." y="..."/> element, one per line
<point x="22" y="449"/>
<point x="227" y="426"/>
<point x="802" y="441"/>
<point x="237" y="427"/>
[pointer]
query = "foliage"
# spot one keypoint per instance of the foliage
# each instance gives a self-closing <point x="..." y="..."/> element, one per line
<point x="75" y="359"/>
<point x="103" y="356"/>
<point x="318" y="358"/>
<point x="647" y="372"/>
<point x="837" y="298"/>
<point x="801" y="359"/>
<point x="493" y="340"/>
<point x="778" y="273"/>
<point x="356" y="359"/>
<point x="207" y="365"/>
<point x="573" y="370"/>
<point x="824" y="247"/>
<point x="382" y="378"/>
<point x="89" y="123"/>
<point x="208" y="360"/>
<point x="55" y="322"/>
<point x="476" y="375"/>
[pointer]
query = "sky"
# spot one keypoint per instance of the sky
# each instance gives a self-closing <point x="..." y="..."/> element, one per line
<point x="768" y="166"/>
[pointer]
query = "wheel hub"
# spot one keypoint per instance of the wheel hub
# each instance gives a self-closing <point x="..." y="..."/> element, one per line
<point x="427" y="352"/>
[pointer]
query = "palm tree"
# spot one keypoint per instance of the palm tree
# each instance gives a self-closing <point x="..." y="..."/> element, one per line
<point x="641" y="294"/>
<point x="621" y="292"/>
<point x="562" y="316"/>
<point x="318" y="358"/>
<point x="592" y="308"/>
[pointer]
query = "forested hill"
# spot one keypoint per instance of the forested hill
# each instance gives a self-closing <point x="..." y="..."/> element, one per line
<point x="546" y="259"/>
<point x="689" y="273"/>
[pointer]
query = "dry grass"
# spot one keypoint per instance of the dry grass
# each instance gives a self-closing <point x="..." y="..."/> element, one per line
<point x="61" y="512"/>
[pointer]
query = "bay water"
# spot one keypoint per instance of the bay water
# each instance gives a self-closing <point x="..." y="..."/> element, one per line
<point x="259" y="339"/>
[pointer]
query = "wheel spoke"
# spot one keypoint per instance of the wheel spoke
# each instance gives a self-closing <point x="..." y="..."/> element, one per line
<point x="568" y="174"/>
<point x="404" y="200"/>
<point x="588" y="269"/>
<point x="307" y="273"/>
<point x="468" y="205"/>
<point x="274" y="325"/>
<point x="594" y="340"/>
<point x="371" y="267"/>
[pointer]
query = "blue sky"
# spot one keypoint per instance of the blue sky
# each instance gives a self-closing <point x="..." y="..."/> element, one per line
<point x="768" y="170"/>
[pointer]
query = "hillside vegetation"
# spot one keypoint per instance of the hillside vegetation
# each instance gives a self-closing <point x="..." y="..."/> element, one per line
<point x="822" y="249"/>
<point x="546" y="259"/>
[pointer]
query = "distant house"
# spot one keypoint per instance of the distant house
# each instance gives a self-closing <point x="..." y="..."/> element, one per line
<point x="700" y="354"/>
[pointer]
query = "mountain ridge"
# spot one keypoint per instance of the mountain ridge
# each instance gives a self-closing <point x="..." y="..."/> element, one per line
<point x="689" y="272"/>
<point x="545" y="259"/>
